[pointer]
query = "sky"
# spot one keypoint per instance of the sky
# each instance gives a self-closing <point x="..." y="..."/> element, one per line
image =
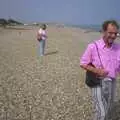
<point x="76" y="12"/>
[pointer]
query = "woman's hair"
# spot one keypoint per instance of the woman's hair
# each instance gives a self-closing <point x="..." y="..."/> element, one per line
<point x="106" y="23"/>
<point x="43" y="26"/>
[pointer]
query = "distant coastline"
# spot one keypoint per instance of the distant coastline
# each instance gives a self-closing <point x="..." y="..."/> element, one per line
<point x="88" y="27"/>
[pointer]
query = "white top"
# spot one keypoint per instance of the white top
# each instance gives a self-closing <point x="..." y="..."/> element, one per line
<point x="43" y="34"/>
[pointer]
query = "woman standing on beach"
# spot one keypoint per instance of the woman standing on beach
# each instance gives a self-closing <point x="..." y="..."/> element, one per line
<point x="41" y="37"/>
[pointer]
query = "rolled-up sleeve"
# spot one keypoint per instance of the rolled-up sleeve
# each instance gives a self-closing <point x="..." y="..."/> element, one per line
<point x="86" y="58"/>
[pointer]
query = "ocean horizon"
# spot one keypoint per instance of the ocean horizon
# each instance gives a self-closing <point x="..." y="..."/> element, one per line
<point x="91" y="27"/>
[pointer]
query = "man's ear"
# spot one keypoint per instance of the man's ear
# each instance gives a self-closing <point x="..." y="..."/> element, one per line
<point x="103" y="32"/>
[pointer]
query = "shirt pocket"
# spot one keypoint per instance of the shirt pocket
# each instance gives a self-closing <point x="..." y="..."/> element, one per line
<point x="96" y="61"/>
<point x="113" y="62"/>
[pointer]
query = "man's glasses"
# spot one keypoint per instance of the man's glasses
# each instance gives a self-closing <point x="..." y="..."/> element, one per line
<point x="115" y="33"/>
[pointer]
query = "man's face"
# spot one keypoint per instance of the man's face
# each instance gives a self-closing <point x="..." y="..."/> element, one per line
<point x="111" y="33"/>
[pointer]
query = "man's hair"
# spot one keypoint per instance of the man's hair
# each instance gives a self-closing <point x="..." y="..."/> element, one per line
<point x="106" y="23"/>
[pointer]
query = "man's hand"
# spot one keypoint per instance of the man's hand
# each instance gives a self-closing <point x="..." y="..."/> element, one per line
<point x="101" y="72"/>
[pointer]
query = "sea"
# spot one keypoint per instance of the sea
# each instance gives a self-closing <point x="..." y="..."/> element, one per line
<point x="96" y="28"/>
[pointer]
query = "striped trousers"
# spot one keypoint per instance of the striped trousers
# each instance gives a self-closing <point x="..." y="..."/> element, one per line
<point x="103" y="97"/>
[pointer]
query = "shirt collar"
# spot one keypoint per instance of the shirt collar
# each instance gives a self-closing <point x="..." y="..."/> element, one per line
<point x="103" y="45"/>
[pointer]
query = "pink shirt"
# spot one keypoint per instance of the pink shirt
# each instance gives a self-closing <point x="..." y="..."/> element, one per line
<point x="43" y="34"/>
<point x="110" y="57"/>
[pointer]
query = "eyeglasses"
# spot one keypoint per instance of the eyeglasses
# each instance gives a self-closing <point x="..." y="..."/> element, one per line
<point x="118" y="34"/>
<point x="115" y="33"/>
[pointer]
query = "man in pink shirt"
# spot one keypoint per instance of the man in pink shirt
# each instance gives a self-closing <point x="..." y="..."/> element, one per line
<point x="109" y="52"/>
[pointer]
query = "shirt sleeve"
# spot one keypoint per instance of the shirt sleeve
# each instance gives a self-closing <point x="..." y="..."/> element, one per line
<point x="40" y="31"/>
<point x="86" y="58"/>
